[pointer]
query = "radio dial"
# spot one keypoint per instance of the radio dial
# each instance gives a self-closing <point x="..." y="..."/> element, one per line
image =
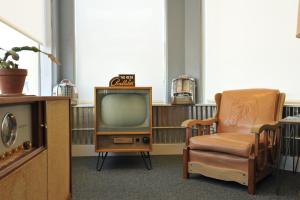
<point x="9" y="129"/>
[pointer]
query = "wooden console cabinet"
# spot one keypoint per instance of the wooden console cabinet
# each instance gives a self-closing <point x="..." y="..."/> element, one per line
<point x="45" y="172"/>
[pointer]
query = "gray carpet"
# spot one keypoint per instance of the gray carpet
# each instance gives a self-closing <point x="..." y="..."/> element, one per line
<point x="124" y="177"/>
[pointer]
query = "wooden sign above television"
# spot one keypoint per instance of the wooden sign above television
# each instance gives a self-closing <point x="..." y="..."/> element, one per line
<point x="123" y="80"/>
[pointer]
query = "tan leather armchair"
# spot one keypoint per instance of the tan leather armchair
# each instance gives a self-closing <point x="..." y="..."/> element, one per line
<point x="246" y="139"/>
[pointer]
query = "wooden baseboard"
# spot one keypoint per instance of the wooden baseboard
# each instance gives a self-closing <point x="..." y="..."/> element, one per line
<point x="167" y="149"/>
<point x="83" y="150"/>
<point x="157" y="149"/>
<point x="289" y="164"/>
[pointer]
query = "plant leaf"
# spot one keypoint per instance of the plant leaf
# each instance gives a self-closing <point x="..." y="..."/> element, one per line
<point x="55" y="60"/>
<point x="13" y="65"/>
<point x="14" y="55"/>
<point x="5" y="65"/>
<point x="35" y="49"/>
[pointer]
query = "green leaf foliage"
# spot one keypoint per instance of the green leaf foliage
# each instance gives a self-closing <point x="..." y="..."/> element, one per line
<point x="13" y="53"/>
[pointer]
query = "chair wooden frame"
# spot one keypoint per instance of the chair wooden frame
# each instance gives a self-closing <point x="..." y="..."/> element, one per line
<point x="257" y="168"/>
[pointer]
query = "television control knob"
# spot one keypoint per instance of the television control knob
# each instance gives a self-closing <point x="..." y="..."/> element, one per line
<point x="146" y="140"/>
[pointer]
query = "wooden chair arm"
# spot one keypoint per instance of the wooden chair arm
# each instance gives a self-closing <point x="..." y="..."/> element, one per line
<point x="188" y="124"/>
<point x="270" y="141"/>
<point x="192" y="122"/>
<point x="259" y="128"/>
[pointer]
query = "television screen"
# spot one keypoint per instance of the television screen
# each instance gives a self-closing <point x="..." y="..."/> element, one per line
<point x="120" y="110"/>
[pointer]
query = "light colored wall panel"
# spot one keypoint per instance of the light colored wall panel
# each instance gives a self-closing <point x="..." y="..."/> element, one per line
<point x="193" y="43"/>
<point x="175" y="41"/>
<point x="298" y="24"/>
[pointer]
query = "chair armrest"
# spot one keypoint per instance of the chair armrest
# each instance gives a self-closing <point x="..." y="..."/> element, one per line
<point x="192" y="122"/>
<point x="259" y="128"/>
<point x="269" y="143"/>
<point x="188" y="124"/>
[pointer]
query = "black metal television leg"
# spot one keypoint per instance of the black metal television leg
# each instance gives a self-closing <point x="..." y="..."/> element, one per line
<point x="103" y="156"/>
<point x="147" y="160"/>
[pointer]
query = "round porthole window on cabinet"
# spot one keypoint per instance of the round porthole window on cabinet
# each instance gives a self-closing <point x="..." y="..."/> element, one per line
<point x="9" y="129"/>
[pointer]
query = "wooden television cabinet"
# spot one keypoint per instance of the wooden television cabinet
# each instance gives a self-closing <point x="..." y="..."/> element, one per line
<point x="123" y="121"/>
<point x="41" y="167"/>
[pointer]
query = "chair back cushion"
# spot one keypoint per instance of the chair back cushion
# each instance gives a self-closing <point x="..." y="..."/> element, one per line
<point x="239" y="110"/>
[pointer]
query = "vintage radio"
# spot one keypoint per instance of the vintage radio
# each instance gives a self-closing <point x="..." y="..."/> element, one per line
<point x="183" y="90"/>
<point x="20" y="131"/>
<point x="35" y="148"/>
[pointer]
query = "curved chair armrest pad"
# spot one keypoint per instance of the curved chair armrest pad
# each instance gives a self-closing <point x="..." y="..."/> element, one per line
<point x="258" y="128"/>
<point x="192" y="122"/>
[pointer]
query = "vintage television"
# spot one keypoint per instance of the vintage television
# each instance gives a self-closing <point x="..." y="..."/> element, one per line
<point x="123" y="119"/>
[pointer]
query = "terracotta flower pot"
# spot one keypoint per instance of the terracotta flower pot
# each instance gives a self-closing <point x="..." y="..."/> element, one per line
<point x="12" y="81"/>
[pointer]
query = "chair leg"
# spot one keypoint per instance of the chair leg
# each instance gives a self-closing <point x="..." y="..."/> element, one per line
<point x="251" y="176"/>
<point x="185" y="162"/>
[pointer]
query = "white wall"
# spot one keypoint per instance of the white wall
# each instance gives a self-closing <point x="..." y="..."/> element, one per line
<point x="251" y="43"/>
<point x="31" y="17"/>
<point x="118" y="36"/>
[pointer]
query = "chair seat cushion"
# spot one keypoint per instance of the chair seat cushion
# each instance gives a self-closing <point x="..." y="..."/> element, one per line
<point x="239" y="144"/>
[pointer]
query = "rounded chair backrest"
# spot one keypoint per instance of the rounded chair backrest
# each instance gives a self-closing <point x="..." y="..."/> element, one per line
<point x="240" y="110"/>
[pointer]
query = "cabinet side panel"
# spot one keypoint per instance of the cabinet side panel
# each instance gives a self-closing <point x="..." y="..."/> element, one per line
<point x="29" y="182"/>
<point x="58" y="149"/>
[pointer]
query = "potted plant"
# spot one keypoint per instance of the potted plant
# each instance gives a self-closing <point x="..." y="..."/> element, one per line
<point x="11" y="77"/>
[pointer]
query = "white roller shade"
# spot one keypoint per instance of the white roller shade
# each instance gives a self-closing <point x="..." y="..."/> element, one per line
<point x="251" y="44"/>
<point x="120" y="37"/>
<point x="30" y="17"/>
